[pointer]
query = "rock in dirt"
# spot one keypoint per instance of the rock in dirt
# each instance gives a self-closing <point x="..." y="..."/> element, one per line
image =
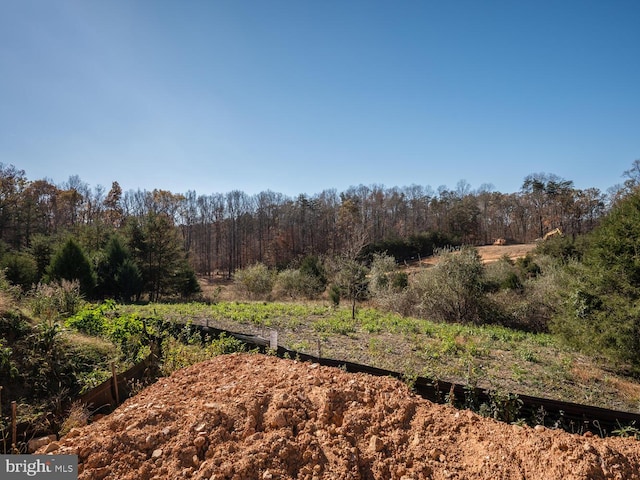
<point x="247" y="416"/>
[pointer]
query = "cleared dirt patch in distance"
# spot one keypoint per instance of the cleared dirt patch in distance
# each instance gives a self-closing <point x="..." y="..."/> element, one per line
<point x="488" y="254"/>
<point x="492" y="253"/>
<point x="250" y="416"/>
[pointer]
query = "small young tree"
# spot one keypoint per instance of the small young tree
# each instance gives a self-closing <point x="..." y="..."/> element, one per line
<point x="41" y="250"/>
<point x="118" y="275"/>
<point x="113" y="256"/>
<point x="186" y="282"/>
<point x="71" y="263"/>
<point x="157" y="249"/>
<point x="129" y="280"/>
<point x="352" y="279"/>
<point x="313" y="278"/>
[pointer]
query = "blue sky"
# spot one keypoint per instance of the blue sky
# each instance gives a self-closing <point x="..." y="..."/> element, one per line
<point x="300" y="96"/>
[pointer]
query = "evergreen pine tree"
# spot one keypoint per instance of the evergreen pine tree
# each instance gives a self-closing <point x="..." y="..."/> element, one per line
<point x="71" y="263"/>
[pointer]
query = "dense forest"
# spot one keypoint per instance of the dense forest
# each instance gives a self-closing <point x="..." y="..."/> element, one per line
<point x="167" y="232"/>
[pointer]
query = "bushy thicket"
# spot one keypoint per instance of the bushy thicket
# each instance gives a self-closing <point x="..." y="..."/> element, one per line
<point x="461" y="289"/>
<point x="453" y="290"/>
<point x="257" y="281"/>
<point x="146" y="258"/>
<point x="308" y="281"/>
<point x="601" y="311"/>
<point x="43" y="366"/>
<point x="530" y="292"/>
<point x="129" y="332"/>
<point x="20" y="269"/>
<point x="411" y="248"/>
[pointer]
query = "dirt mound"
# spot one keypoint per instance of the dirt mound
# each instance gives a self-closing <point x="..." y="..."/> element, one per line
<point x="259" y="417"/>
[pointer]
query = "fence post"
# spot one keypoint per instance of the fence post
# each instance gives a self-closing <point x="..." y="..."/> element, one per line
<point x="4" y="438"/>
<point x="14" y="427"/>
<point x="114" y="379"/>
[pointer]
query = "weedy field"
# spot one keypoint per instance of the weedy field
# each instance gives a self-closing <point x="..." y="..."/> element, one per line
<point x="490" y="357"/>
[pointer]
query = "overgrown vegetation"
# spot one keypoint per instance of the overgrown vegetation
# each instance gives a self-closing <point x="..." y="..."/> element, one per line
<point x="491" y="357"/>
<point x="414" y="248"/>
<point x="335" y="275"/>
<point x="600" y="313"/>
<point x="45" y="364"/>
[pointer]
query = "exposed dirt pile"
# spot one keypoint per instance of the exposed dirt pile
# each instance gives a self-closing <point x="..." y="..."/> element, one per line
<point x="259" y="417"/>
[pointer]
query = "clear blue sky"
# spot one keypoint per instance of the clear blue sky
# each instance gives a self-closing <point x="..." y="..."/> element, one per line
<point x="303" y="95"/>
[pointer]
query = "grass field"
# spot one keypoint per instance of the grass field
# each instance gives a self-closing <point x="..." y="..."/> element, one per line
<point x="490" y="357"/>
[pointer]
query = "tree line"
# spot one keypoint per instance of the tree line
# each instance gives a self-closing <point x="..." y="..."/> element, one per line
<point x="129" y="245"/>
<point x="221" y="232"/>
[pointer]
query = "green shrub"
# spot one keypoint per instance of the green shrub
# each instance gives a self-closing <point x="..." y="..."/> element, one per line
<point x="177" y="355"/>
<point x="8" y="369"/>
<point x="224" y="345"/>
<point x="71" y="263"/>
<point x="334" y="294"/>
<point x="601" y="312"/>
<point x="453" y="290"/>
<point x="20" y="269"/>
<point x="528" y="267"/>
<point x="382" y="269"/>
<point x="511" y="282"/>
<point x="399" y="281"/>
<point x="505" y="407"/>
<point x="288" y="283"/>
<point x="313" y="277"/>
<point x="502" y="275"/>
<point x="186" y="282"/>
<point x="257" y="280"/>
<point x="91" y="320"/>
<point x="309" y="281"/>
<point x="563" y="248"/>
<point x="127" y="331"/>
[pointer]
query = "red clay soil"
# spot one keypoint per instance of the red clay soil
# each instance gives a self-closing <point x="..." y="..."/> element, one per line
<point x="246" y="416"/>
